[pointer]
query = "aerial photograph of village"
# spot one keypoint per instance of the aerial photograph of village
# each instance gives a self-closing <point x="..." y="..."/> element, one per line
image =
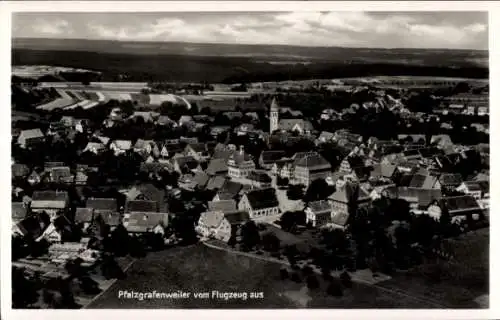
<point x="250" y="160"/>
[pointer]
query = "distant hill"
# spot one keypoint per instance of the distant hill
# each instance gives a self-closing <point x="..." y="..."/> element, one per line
<point x="177" y="61"/>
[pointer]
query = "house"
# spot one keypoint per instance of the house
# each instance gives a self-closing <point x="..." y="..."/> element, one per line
<point x="383" y="171"/>
<point x="141" y="206"/>
<point x="240" y="164"/>
<point x="215" y="131"/>
<point x="300" y="126"/>
<point x="341" y="199"/>
<point x="269" y="157"/>
<point x="146" y="147"/>
<point x="102" y="204"/>
<point x="29" y="227"/>
<point x="259" y="179"/>
<point x="311" y="167"/>
<point x="184" y="164"/>
<point x="229" y="190"/>
<point x="146" y="222"/>
<point x="477" y="189"/>
<point x="60" y="175"/>
<point x="94" y="147"/>
<point x="30" y="138"/>
<point x="442" y="141"/>
<point x="217" y="167"/>
<point x="420" y="181"/>
<point x="458" y="207"/>
<point x="221" y="225"/>
<point x="57" y="231"/>
<point x="146" y="116"/>
<point x="416" y="197"/>
<point x="19" y="211"/>
<point x="34" y="177"/>
<point x="120" y="146"/>
<point x="185" y="120"/>
<point x="260" y="203"/>
<point x="19" y="171"/>
<point x="244" y="128"/>
<point x="198" y="151"/>
<point x="165" y="121"/>
<point x="233" y="115"/>
<point x="318" y="213"/>
<point x="170" y="148"/>
<point x="84" y="216"/>
<point x="351" y="162"/>
<point x="222" y="206"/>
<point x="324" y="137"/>
<point x="51" y="202"/>
<point x="215" y="182"/>
<point x="450" y="181"/>
<point x="223" y="151"/>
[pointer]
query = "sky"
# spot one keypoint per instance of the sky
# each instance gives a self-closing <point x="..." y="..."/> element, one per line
<point x="431" y="29"/>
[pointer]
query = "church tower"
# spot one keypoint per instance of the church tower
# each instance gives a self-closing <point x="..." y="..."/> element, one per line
<point x="274" y="115"/>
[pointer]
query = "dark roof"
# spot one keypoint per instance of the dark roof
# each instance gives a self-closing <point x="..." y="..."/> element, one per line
<point x="216" y="166"/>
<point x="102" y="204"/>
<point x="198" y="147"/>
<point x="30" y="227"/>
<point x="20" y="170"/>
<point x="188" y="162"/>
<point x="383" y="170"/>
<point x="483" y="186"/>
<point x="145" y="221"/>
<point x="240" y="156"/>
<point x="414" y="195"/>
<point x="340" y="218"/>
<point x="141" y="206"/>
<point x="314" y="162"/>
<point x="84" y="215"/>
<point x="271" y="156"/>
<point x="49" y="199"/>
<point x="450" y="179"/>
<point x="259" y="177"/>
<point x="201" y="179"/>
<point x="222" y="205"/>
<point x="264" y="198"/>
<point x="215" y="182"/>
<point x="231" y="187"/>
<point x="152" y="193"/>
<point x="319" y="206"/>
<point x="110" y="218"/>
<point x="460" y="204"/>
<point x="237" y="217"/>
<point x="19" y="211"/>
<point x="60" y="173"/>
<point x="355" y="161"/>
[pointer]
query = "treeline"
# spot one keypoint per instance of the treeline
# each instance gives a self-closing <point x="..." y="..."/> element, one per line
<point x="127" y="67"/>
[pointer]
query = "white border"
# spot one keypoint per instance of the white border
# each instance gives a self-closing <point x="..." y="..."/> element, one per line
<point x="6" y="8"/>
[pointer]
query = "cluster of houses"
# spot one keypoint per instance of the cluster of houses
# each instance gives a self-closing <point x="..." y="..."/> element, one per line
<point x="245" y="188"/>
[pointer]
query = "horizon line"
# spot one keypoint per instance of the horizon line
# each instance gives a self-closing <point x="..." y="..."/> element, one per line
<point x="250" y="44"/>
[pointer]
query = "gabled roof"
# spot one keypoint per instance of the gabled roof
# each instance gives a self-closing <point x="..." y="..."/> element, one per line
<point x="290" y="124"/>
<point x="20" y="170"/>
<point x="237" y="217"/>
<point x="343" y="194"/>
<point x="197" y="147"/>
<point x="102" y="204"/>
<point x="215" y="182"/>
<point x="31" y="134"/>
<point x="383" y="170"/>
<point x="30" y="227"/>
<point x="271" y="156"/>
<point x="483" y="186"/>
<point x="259" y="176"/>
<point x="222" y="205"/>
<point x="211" y="219"/>
<point x="450" y="179"/>
<point x="459" y="204"/>
<point x="142" y="144"/>
<point x="145" y="221"/>
<point x="49" y="199"/>
<point x="340" y="218"/>
<point x="263" y="198"/>
<point x="414" y="195"/>
<point x="123" y="144"/>
<point x="216" y="166"/>
<point x="423" y="181"/>
<point x="313" y="162"/>
<point x="201" y="179"/>
<point x="19" y="211"/>
<point x="83" y="215"/>
<point x="319" y="206"/>
<point x="186" y="161"/>
<point x="230" y="187"/>
<point x="141" y="206"/>
<point x="60" y="173"/>
<point x="111" y="218"/>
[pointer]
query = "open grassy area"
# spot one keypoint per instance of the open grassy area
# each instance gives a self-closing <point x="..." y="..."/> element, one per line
<point x="462" y="280"/>
<point x="200" y="269"/>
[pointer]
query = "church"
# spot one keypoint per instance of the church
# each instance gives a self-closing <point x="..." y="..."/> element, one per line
<point x="300" y="126"/>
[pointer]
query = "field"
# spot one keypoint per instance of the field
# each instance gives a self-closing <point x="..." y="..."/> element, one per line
<point x="463" y="279"/>
<point x="240" y="63"/>
<point x="202" y="269"/>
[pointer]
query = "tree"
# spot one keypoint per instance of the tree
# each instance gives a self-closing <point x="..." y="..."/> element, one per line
<point x="312" y="282"/>
<point x="119" y="241"/>
<point x="295" y="277"/>
<point x="295" y="192"/>
<point x="284" y="273"/>
<point x="24" y="290"/>
<point x="334" y="289"/>
<point x="318" y="190"/>
<point x="346" y="279"/>
<point x="289" y="220"/>
<point x="270" y="242"/>
<point x="250" y="235"/>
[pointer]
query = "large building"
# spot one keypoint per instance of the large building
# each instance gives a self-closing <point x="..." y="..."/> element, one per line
<point x="311" y="167"/>
<point x="240" y="164"/>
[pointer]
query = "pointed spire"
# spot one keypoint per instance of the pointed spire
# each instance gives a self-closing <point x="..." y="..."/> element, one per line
<point x="274" y="105"/>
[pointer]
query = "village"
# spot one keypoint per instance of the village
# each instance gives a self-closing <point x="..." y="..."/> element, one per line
<point x="375" y="185"/>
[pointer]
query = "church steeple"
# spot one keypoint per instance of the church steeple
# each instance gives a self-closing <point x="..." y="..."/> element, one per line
<point x="274" y="115"/>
